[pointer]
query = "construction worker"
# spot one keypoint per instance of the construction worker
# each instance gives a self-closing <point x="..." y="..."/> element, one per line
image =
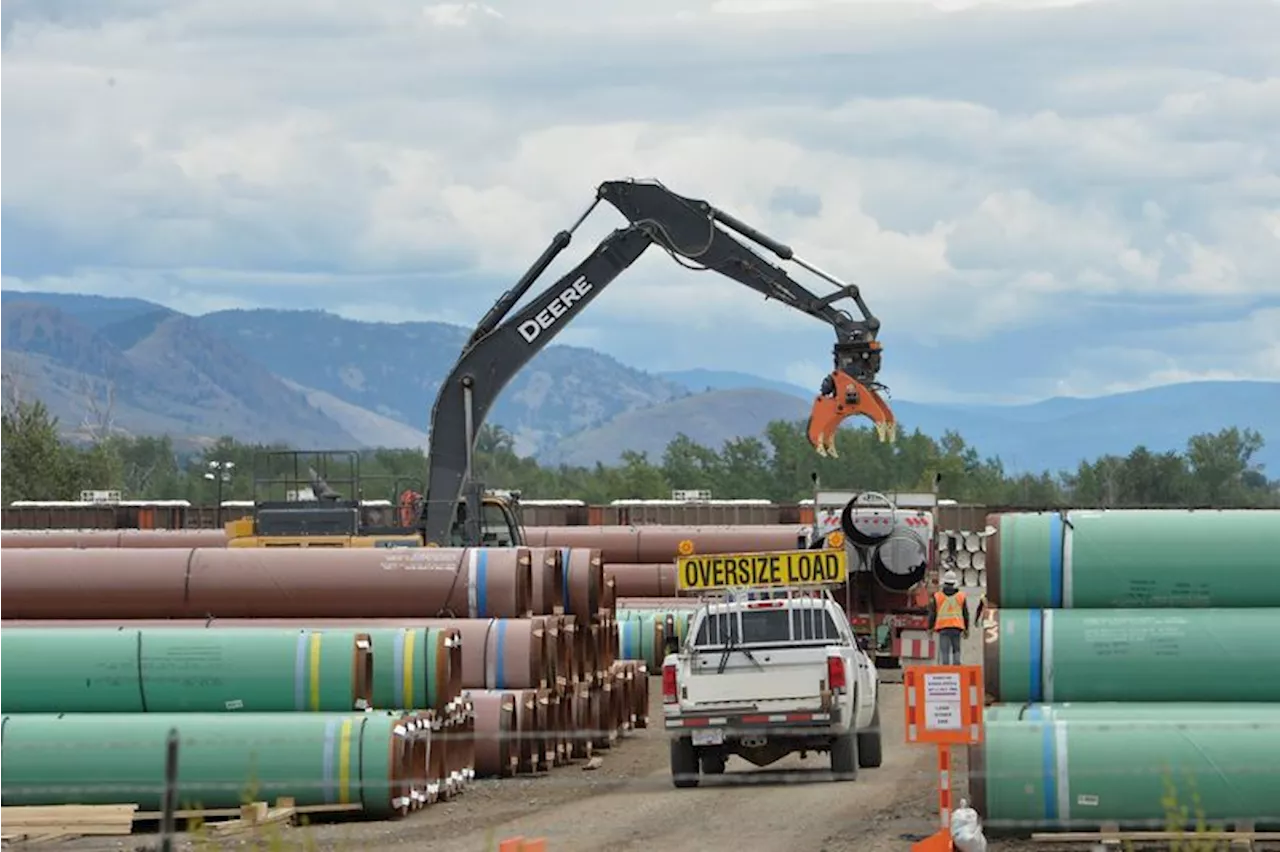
<point x="949" y="619"/>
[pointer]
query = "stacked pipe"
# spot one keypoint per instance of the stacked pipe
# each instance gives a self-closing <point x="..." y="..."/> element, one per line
<point x="651" y="619"/>
<point x="966" y="550"/>
<point x="113" y="538"/>
<point x="443" y="625"/>
<point x="1132" y="655"/>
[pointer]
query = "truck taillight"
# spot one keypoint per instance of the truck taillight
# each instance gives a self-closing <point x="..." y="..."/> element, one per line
<point x="835" y="674"/>
<point x="669" y="683"/>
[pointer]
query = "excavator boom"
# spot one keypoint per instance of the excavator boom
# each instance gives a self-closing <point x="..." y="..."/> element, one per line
<point x="696" y="235"/>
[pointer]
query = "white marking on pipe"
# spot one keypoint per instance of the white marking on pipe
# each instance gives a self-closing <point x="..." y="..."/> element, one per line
<point x="1061" y="770"/>
<point x="1068" y="547"/>
<point x="472" y="603"/>
<point x="490" y="657"/>
<point x="1046" y="655"/>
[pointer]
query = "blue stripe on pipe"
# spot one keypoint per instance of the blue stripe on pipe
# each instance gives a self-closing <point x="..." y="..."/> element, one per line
<point x="397" y="666"/>
<point x="567" y="569"/>
<point x="482" y="585"/>
<point x="1049" y="763"/>
<point x="1035" y="653"/>
<point x="1055" y="561"/>
<point x="300" y="672"/>
<point x="329" y="781"/>
<point x="500" y="675"/>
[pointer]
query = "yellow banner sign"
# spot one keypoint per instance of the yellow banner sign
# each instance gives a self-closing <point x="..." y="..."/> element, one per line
<point x="780" y="568"/>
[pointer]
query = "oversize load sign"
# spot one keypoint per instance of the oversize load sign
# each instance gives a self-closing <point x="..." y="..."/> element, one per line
<point x="780" y="568"/>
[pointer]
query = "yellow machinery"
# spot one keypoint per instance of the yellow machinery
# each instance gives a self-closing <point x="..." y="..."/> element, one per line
<point x="297" y="505"/>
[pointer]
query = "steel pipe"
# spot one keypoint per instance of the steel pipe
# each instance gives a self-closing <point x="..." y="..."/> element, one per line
<point x="1131" y="655"/>
<point x="643" y="580"/>
<point x="124" y="670"/>
<point x="495" y="719"/>
<point x="106" y="758"/>
<point x="651" y="544"/>
<point x="1102" y="559"/>
<point x="1063" y="770"/>
<point x="583" y="581"/>
<point x="547" y="577"/>
<point x="113" y="538"/>
<point x="269" y="583"/>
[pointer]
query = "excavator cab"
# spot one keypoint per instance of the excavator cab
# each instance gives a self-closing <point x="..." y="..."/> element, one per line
<point x="850" y="390"/>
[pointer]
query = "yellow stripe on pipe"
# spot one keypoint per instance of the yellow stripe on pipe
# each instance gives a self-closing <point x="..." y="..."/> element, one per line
<point x="410" y="639"/>
<point x="316" y="639"/>
<point x="344" y="763"/>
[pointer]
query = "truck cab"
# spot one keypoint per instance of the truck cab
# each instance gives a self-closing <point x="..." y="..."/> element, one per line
<point x="767" y="673"/>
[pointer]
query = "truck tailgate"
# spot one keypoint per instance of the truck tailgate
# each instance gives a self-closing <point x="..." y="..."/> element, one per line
<point x="793" y="678"/>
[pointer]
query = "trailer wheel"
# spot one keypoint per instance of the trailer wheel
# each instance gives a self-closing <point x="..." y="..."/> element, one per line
<point x="844" y="757"/>
<point x="684" y="763"/>
<point x="870" y="747"/>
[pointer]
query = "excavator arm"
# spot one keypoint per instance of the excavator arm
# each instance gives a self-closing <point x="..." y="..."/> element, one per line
<point x="695" y="234"/>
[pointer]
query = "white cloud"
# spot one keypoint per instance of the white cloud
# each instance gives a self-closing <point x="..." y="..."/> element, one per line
<point x="983" y="168"/>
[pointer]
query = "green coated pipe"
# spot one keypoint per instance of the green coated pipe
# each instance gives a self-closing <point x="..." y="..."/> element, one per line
<point x="414" y="666"/>
<point x="166" y="669"/>
<point x="1132" y="655"/>
<point x="642" y="639"/>
<point x="224" y="759"/>
<point x="1100" y="559"/>
<point x="1174" y="712"/>
<point x="1077" y="773"/>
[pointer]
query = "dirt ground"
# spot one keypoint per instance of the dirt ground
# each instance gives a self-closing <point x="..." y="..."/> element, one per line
<point x="628" y="803"/>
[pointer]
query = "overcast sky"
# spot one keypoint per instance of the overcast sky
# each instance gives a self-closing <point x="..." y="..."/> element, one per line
<point x="1037" y="198"/>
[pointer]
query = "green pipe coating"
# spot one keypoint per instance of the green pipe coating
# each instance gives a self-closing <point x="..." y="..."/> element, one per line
<point x="1100" y="559"/>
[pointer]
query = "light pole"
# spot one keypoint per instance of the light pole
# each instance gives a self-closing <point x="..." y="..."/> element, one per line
<point x="219" y="472"/>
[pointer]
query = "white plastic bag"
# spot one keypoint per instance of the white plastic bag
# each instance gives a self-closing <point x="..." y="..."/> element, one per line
<point x="966" y="830"/>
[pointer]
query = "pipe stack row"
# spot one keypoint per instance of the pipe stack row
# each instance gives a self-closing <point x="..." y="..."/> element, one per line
<point x="534" y="624"/>
<point x="290" y="711"/>
<point x="1133" y="656"/>
<point x="652" y="618"/>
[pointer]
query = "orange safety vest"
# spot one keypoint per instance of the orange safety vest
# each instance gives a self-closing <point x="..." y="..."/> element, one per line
<point x="950" y="610"/>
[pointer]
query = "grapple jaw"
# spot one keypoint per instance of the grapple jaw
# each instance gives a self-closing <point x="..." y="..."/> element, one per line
<point x="851" y="397"/>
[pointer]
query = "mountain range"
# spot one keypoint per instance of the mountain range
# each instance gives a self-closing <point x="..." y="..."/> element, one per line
<point x="313" y="379"/>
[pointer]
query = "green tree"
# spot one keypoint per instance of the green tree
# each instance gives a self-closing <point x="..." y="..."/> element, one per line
<point x="37" y="465"/>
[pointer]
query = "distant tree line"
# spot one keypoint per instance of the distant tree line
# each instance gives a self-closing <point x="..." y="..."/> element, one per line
<point x="1213" y="470"/>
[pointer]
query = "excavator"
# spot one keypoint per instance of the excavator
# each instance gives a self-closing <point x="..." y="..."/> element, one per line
<point x="697" y="236"/>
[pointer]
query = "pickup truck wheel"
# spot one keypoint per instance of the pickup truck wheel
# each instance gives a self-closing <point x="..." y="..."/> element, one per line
<point x="684" y="763"/>
<point x="870" y="752"/>
<point x="844" y="757"/>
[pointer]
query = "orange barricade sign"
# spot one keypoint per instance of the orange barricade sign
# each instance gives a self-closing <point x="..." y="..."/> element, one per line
<point x="944" y="708"/>
<point x="944" y="704"/>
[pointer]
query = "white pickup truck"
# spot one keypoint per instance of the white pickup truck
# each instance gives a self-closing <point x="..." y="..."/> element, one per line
<point x="767" y="677"/>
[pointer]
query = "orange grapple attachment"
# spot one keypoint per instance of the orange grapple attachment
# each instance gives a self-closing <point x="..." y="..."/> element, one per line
<point x="851" y="398"/>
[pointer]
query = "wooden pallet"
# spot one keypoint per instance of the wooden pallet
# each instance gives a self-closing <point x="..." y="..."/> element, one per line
<point x="41" y="823"/>
<point x="1241" y="836"/>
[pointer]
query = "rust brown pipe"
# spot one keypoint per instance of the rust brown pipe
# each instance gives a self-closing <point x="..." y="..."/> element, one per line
<point x="577" y="635"/>
<point x="659" y="603"/>
<point x="268" y="583"/>
<point x="563" y="655"/>
<point x="649" y="544"/>
<point x="583" y="581"/>
<point x="437" y="765"/>
<point x="602" y="732"/>
<point x="562" y="706"/>
<point x="495" y="716"/>
<point x="547" y="570"/>
<point x="113" y="538"/>
<point x="608" y="600"/>
<point x="529" y="722"/>
<point x="419" y="747"/>
<point x="642" y="580"/>
<point x="549" y="730"/>
<point x="580" y="739"/>
<point x="608" y="641"/>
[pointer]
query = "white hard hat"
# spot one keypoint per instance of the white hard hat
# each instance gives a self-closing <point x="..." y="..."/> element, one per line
<point x="949" y="578"/>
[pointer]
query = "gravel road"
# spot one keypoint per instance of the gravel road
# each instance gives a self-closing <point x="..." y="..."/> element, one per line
<point x="628" y="803"/>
